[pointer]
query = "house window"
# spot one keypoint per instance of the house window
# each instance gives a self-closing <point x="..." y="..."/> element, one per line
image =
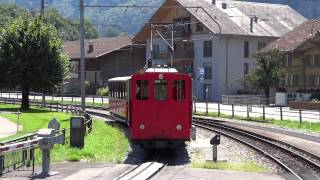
<point x="155" y="51"/>
<point x="179" y="90"/>
<point x="309" y="60"/>
<point x="288" y="60"/>
<point x="246" y="68"/>
<point x="246" y="49"/>
<point x="142" y="89"/>
<point x="316" y="60"/>
<point x="312" y="80"/>
<point x="207" y="70"/>
<point x="182" y="23"/>
<point x="261" y="45"/>
<point x="296" y="80"/>
<point x="160" y="89"/>
<point x="207" y="49"/>
<point x="199" y="27"/>
<point x="208" y="73"/>
<point x="287" y="80"/>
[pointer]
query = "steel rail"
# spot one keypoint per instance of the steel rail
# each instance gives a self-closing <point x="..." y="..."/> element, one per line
<point x="273" y="141"/>
<point x="309" y="153"/>
<point x="257" y="138"/>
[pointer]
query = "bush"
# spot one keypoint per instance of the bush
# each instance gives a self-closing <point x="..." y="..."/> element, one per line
<point x="315" y="96"/>
<point x="103" y="91"/>
<point x="91" y="89"/>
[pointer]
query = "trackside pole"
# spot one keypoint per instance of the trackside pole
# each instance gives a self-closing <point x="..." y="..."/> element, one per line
<point x="215" y="141"/>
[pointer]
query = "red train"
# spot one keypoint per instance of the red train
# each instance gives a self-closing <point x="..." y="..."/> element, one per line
<point x="156" y="105"/>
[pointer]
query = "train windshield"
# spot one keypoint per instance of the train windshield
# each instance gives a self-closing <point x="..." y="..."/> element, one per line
<point x="161" y="89"/>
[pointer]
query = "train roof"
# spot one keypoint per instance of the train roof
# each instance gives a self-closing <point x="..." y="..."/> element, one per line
<point x="161" y="70"/>
<point x="125" y="78"/>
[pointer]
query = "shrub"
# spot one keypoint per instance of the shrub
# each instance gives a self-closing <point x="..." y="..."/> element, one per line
<point x="315" y="96"/>
<point x="103" y="91"/>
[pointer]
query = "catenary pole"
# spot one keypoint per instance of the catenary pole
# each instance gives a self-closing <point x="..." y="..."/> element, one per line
<point x="82" y="58"/>
<point x="42" y="8"/>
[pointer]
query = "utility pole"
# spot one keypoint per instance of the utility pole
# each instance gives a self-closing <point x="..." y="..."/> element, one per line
<point x="42" y="8"/>
<point x="82" y="58"/>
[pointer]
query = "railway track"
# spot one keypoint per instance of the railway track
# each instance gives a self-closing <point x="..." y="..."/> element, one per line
<point x="299" y="163"/>
<point x="143" y="171"/>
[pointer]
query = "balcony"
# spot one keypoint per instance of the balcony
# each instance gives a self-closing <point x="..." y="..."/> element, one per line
<point x="179" y="54"/>
<point x="178" y="33"/>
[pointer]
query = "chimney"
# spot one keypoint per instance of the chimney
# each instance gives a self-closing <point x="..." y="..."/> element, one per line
<point x="214" y="2"/>
<point x="252" y="20"/>
<point x="224" y="5"/>
<point x="90" y="49"/>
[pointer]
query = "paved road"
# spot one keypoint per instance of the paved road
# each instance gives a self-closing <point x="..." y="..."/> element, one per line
<point x="93" y="171"/>
<point x="7" y="128"/>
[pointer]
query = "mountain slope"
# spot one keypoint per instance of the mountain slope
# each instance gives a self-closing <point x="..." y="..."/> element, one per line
<point x="112" y="21"/>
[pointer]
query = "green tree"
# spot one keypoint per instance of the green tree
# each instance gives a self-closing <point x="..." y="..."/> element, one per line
<point x="90" y="30"/>
<point x="67" y="28"/>
<point x="269" y="71"/>
<point x="31" y="56"/>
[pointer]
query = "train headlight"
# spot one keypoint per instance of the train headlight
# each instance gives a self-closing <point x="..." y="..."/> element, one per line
<point x="179" y="127"/>
<point x="141" y="126"/>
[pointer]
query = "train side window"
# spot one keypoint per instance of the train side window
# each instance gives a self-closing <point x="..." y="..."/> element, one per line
<point x="142" y="89"/>
<point x="161" y="89"/>
<point x="179" y="90"/>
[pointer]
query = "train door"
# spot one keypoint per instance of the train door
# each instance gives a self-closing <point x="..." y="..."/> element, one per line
<point x="181" y="103"/>
<point x="140" y="99"/>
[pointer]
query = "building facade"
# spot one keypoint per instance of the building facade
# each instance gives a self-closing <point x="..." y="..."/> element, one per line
<point x="301" y="47"/>
<point x="214" y="41"/>
<point x="105" y="58"/>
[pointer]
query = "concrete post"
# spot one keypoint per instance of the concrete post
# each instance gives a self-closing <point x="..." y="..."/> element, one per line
<point x="45" y="162"/>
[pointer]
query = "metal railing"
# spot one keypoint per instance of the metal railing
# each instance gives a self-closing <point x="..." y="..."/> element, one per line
<point x="24" y="159"/>
<point x="61" y="98"/>
<point x="247" y="99"/>
<point x="250" y="112"/>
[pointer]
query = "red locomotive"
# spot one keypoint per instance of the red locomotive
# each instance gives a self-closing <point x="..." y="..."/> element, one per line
<point x="156" y="105"/>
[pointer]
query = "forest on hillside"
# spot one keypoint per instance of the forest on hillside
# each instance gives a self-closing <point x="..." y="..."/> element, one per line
<point x="114" y="21"/>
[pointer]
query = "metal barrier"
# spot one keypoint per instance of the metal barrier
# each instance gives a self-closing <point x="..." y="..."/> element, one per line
<point x="258" y="113"/>
<point x="62" y="98"/>
<point x="19" y="153"/>
<point x="14" y="154"/>
<point x="246" y="99"/>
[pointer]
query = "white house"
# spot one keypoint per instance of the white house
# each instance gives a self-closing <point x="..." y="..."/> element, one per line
<point x="214" y="40"/>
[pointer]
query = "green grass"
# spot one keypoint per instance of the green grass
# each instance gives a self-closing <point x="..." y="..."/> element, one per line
<point x="306" y="126"/>
<point x="103" y="144"/>
<point x="245" y="166"/>
<point x="33" y="119"/>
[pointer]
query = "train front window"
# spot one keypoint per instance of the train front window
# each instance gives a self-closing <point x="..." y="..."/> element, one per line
<point x="142" y="89"/>
<point x="161" y="89"/>
<point x="179" y="90"/>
